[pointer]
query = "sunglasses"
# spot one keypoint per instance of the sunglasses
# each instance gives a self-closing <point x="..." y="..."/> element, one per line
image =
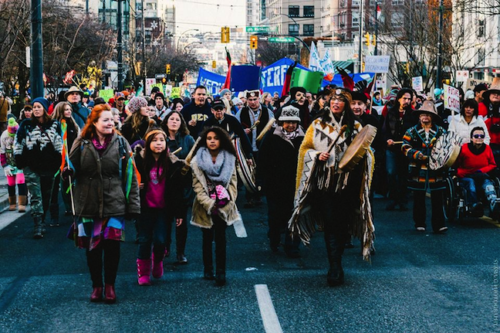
<point x="478" y="136"/>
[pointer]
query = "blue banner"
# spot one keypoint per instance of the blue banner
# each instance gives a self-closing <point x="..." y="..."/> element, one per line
<point x="245" y="77"/>
<point x="212" y="81"/>
<point x="273" y="76"/>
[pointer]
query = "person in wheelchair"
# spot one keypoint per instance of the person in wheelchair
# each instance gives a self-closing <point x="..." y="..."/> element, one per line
<point x="473" y="165"/>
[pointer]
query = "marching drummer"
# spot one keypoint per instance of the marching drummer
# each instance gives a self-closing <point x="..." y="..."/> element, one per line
<point x="254" y="117"/>
<point x="336" y="201"/>
<point x="418" y="142"/>
<point x="227" y="121"/>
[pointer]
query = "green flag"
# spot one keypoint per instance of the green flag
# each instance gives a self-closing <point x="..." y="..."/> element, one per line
<point x="310" y="81"/>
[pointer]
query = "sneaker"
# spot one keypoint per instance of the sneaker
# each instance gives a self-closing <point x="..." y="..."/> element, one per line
<point x="421" y="229"/>
<point x="443" y="230"/>
<point x="181" y="259"/>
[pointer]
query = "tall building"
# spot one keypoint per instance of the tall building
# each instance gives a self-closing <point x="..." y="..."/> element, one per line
<point x="301" y="18"/>
<point x="253" y="12"/>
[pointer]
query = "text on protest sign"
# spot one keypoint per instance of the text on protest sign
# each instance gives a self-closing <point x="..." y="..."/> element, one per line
<point x="377" y="64"/>
<point x="451" y="98"/>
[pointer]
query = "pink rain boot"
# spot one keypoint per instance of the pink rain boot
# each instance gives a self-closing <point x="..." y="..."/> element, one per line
<point x="144" y="272"/>
<point x="157" y="268"/>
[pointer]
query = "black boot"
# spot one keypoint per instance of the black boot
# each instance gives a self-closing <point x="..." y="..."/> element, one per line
<point x="208" y="267"/>
<point x="335" y="243"/>
<point x="37" y="230"/>
<point x="335" y="275"/>
<point x="220" y="264"/>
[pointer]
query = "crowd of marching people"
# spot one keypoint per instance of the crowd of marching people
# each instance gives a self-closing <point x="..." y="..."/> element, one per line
<point x="319" y="159"/>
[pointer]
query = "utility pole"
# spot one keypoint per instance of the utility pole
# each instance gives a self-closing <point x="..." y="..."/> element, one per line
<point x="376" y="28"/>
<point x="410" y="37"/>
<point x="440" y="45"/>
<point x="360" y="57"/>
<point x="87" y="7"/>
<point x="36" y="73"/>
<point x="104" y="11"/>
<point x="143" y="48"/>
<point x="119" y="45"/>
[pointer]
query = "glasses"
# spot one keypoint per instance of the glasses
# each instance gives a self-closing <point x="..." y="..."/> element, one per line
<point x="478" y="136"/>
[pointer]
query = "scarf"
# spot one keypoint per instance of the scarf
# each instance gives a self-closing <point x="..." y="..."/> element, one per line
<point x="290" y="135"/>
<point x="219" y="172"/>
<point x="101" y="147"/>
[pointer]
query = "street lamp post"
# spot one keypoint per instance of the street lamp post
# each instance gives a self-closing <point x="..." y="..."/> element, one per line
<point x="36" y="73"/>
<point x="119" y="45"/>
<point x="180" y="36"/>
<point x="143" y="48"/>
<point x="440" y="45"/>
<point x="360" y="49"/>
<point x="185" y="47"/>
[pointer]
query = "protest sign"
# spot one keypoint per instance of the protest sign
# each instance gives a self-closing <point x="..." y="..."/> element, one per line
<point x="462" y="76"/>
<point x="106" y="94"/>
<point x="451" y="98"/>
<point x="176" y="92"/>
<point x="149" y="83"/>
<point x="213" y="82"/>
<point x="417" y="83"/>
<point x="377" y="64"/>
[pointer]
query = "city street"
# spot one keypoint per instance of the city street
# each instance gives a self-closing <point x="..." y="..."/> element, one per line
<point x="415" y="283"/>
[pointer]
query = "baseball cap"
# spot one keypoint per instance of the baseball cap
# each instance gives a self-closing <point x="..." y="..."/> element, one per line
<point x="218" y="104"/>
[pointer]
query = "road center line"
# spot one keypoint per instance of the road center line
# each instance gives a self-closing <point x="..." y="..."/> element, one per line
<point x="269" y="317"/>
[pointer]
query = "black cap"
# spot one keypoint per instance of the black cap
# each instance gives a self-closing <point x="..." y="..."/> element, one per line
<point x="480" y="87"/>
<point x="359" y="96"/>
<point x="218" y="104"/>
<point x="155" y="90"/>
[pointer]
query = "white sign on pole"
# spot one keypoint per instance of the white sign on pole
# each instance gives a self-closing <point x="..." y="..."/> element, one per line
<point x="314" y="60"/>
<point x="149" y="83"/>
<point x="28" y="57"/>
<point x="417" y="83"/>
<point x="451" y="98"/>
<point x="381" y="84"/>
<point x="462" y="76"/>
<point x="168" y="90"/>
<point x="377" y="64"/>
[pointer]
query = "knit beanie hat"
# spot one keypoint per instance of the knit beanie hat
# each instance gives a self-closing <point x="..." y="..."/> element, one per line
<point x="159" y="94"/>
<point x="223" y="91"/>
<point x="12" y="127"/>
<point x="43" y="102"/>
<point x="136" y="103"/>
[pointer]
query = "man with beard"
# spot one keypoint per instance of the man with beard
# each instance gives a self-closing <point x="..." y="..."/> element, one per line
<point x="196" y="112"/>
<point x="398" y="120"/>
<point x="248" y="115"/>
<point x="79" y="111"/>
<point x="298" y="100"/>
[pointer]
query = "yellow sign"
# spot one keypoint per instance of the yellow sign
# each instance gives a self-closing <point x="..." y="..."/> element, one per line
<point x="225" y="35"/>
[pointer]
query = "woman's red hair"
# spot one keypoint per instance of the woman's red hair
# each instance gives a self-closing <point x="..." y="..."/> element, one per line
<point x="89" y="131"/>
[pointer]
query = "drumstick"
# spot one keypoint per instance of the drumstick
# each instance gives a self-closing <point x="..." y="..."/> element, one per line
<point x="257" y="122"/>
<point x="342" y="130"/>
<point x="176" y="151"/>
<point x="267" y="128"/>
<point x="397" y="142"/>
<point x="189" y="157"/>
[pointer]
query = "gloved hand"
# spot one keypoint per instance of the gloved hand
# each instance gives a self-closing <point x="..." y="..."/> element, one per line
<point x="8" y="171"/>
<point x="66" y="173"/>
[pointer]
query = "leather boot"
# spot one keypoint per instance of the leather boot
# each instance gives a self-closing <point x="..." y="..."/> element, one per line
<point x="144" y="272"/>
<point x="335" y="275"/>
<point x="37" y="231"/>
<point x="54" y="222"/>
<point x="22" y="203"/>
<point x="96" y="294"/>
<point x="208" y="266"/>
<point x="220" y="267"/>
<point x="12" y="202"/>
<point x="335" y="243"/>
<point x="109" y="291"/>
<point x="157" y="267"/>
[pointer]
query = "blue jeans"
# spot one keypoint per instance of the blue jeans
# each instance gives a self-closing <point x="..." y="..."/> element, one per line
<point x="152" y="230"/>
<point x="470" y="186"/>
<point x="397" y="176"/>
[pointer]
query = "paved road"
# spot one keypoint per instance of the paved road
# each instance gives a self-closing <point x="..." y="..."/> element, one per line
<point x="415" y="283"/>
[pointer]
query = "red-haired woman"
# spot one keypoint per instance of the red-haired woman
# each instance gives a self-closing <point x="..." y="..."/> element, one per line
<point x="104" y="193"/>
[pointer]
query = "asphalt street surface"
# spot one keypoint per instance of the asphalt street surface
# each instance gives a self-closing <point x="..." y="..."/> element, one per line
<point x="416" y="282"/>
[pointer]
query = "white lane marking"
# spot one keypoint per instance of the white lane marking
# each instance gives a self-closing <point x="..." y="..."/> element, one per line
<point x="7" y="217"/>
<point x="269" y="317"/>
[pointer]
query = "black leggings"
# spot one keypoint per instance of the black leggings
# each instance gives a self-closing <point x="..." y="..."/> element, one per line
<point x="111" y="250"/>
<point x="217" y="233"/>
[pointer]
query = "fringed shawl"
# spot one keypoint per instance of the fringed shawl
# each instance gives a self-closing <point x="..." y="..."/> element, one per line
<point x="304" y="219"/>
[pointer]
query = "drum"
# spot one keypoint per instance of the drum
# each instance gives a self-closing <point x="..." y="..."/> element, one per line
<point x="245" y="172"/>
<point x="445" y="151"/>
<point x="357" y="149"/>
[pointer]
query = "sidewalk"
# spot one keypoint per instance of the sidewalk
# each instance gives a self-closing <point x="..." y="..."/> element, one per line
<point x="4" y="195"/>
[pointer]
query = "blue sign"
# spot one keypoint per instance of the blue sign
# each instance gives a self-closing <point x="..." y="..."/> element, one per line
<point x="212" y="81"/>
<point x="245" y="77"/>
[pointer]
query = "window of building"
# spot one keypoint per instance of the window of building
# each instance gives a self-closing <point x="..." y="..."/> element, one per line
<point x="308" y="29"/>
<point x="293" y="11"/>
<point x="481" y="28"/>
<point x="481" y="56"/>
<point x="293" y="29"/>
<point x="308" y="11"/>
<point x="355" y="20"/>
<point x="355" y="3"/>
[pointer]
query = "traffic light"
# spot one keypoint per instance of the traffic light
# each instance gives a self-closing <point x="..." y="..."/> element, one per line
<point x="367" y="39"/>
<point x="224" y="35"/>
<point x="167" y="68"/>
<point x="254" y="42"/>
<point x="164" y="80"/>
<point x="214" y="64"/>
<point x="374" y="40"/>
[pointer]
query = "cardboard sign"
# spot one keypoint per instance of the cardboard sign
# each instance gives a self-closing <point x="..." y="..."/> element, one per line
<point x="451" y="98"/>
<point x="471" y="83"/>
<point x="168" y="90"/>
<point x="106" y="94"/>
<point x="377" y="64"/>
<point x="176" y="92"/>
<point x="417" y="83"/>
<point x="149" y="83"/>
<point x="462" y="76"/>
